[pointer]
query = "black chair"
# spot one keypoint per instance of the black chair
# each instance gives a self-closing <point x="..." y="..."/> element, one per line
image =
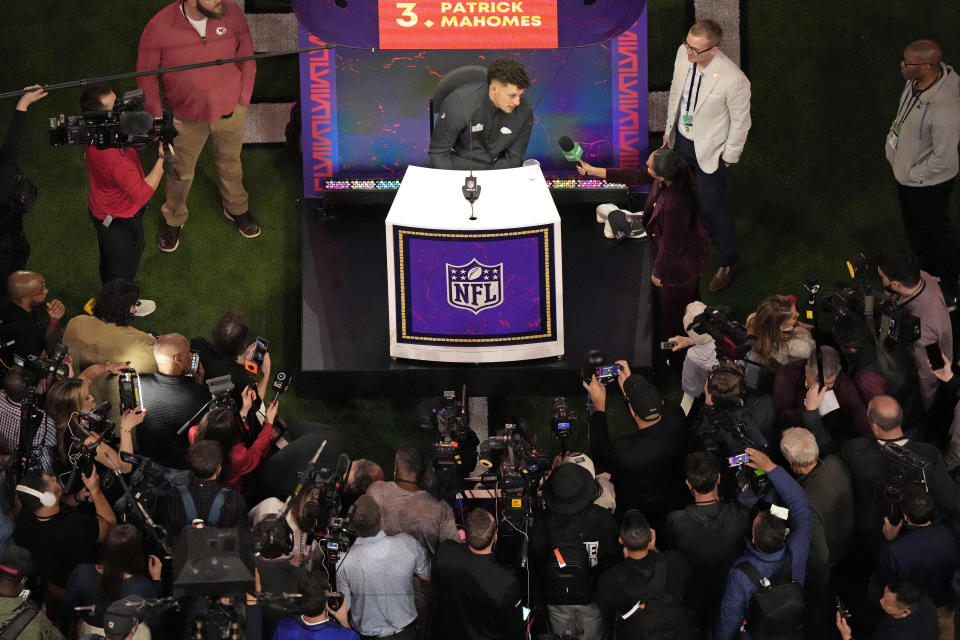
<point x="453" y="80"/>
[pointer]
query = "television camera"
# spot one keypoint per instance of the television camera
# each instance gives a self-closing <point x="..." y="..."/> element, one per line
<point x="126" y="125"/>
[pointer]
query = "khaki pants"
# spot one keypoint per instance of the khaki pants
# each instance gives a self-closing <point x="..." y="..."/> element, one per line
<point x="226" y="141"/>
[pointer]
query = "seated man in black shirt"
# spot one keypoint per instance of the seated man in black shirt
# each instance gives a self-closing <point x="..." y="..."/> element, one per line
<point x="646" y="467"/>
<point x="476" y="598"/>
<point x="60" y="537"/>
<point x="170" y="398"/>
<point x="203" y="497"/>
<point x="646" y="589"/>
<point x="500" y="118"/>
<point x="27" y="293"/>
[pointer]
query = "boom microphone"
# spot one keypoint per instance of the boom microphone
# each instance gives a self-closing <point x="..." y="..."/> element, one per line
<point x="571" y="150"/>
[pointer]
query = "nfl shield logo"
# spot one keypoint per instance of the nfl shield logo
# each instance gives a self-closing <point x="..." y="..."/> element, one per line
<point x="474" y="286"/>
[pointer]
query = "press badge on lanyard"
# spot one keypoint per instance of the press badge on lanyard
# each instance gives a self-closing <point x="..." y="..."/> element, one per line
<point x="893" y="135"/>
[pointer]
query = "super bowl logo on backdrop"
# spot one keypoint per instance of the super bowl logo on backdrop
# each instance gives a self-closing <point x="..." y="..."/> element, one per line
<point x="474" y="286"/>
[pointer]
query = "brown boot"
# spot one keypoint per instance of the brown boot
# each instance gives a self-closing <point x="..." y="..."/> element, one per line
<point x="723" y="277"/>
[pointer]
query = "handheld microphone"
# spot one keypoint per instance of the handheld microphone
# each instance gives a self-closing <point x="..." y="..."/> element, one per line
<point x="572" y="152"/>
<point x="280" y="384"/>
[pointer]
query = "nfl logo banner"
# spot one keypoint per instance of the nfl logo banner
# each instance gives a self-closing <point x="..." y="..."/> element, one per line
<point x="490" y="288"/>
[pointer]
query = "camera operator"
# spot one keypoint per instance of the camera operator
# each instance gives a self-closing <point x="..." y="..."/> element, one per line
<point x="119" y="193"/>
<point x="204" y="497"/>
<point x="728" y="404"/>
<point x="709" y="533"/>
<point x="173" y="396"/>
<point x="376" y="578"/>
<point x="16" y="610"/>
<point x="405" y="507"/>
<point x="11" y="398"/>
<point x="871" y="473"/>
<point x="316" y="620"/>
<point x="571" y="542"/>
<point x="476" y="599"/>
<point x="221" y="425"/>
<point x="646" y="467"/>
<point x="918" y="293"/>
<point x="26" y="294"/>
<point x="877" y="370"/>
<point x="699" y="360"/>
<point x="833" y="413"/>
<point x="14" y="248"/>
<point x="58" y="536"/>
<point x="274" y="568"/>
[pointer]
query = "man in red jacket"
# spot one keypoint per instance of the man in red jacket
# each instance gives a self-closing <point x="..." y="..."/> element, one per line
<point x="119" y="192"/>
<point x="210" y="102"/>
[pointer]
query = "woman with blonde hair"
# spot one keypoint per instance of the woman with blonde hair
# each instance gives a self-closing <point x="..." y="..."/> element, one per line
<point x="781" y="337"/>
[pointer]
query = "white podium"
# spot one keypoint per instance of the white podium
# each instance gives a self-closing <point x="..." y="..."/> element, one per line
<point x="484" y="290"/>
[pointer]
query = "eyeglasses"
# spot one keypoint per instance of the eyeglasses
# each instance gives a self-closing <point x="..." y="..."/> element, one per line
<point x="697" y="52"/>
<point x="913" y="64"/>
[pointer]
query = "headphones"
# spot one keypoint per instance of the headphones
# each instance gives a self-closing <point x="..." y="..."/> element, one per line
<point x="728" y="367"/>
<point x="46" y="498"/>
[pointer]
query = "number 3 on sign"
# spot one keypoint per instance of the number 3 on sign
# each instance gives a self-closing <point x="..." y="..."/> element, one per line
<point x="409" y="18"/>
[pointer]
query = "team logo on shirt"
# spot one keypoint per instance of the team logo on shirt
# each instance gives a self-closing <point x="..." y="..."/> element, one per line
<point x="477" y="128"/>
<point x="474" y="286"/>
<point x="505" y="131"/>
<point x="221" y="30"/>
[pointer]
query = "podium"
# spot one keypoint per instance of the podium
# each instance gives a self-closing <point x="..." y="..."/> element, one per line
<point x="474" y="291"/>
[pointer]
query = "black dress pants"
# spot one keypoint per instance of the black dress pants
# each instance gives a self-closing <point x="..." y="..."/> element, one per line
<point x="121" y="245"/>
<point x="930" y="233"/>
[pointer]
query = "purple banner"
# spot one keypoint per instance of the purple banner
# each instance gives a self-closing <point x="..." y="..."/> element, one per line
<point x="630" y="102"/>
<point x="318" y="114"/>
<point x="494" y="287"/>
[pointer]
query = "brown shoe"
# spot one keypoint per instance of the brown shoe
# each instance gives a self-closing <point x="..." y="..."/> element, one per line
<point x="246" y="224"/>
<point x="723" y="277"/>
<point x="168" y="237"/>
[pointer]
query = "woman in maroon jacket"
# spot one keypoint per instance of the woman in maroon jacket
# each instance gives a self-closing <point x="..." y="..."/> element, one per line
<point x="680" y="244"/>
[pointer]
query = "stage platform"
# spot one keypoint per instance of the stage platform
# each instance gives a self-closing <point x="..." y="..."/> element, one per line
<point x="345" y="341"/>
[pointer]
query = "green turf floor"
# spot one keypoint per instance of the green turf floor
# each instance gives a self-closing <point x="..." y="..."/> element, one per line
<point x="812" y="186"/>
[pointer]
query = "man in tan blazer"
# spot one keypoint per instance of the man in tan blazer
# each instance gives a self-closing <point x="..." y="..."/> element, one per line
<point x="708" y="117"/>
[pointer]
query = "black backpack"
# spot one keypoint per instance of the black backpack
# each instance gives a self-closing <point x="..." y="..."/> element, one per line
<point x="777" y="608"/>
<point x="567" y="574"/>
<point x="657" y="615"/>
<point x="25" y="192"/>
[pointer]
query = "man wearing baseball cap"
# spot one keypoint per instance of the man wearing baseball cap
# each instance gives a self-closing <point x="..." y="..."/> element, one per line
<point x="20" y="616"/>
<point x="571" y="542"/>
<point x="122" y="618"/>
<point x="646" y="466"/>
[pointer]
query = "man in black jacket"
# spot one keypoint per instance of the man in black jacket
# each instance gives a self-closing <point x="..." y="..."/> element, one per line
<point x="171" y="398"/>
<point x="476" y="598"/>
<point x="571" y="542"/>
<point x="709" y="533"/>
<point x="646" y="589"/>
<point x="910" y="614"/>
<point x="646" y="467"/>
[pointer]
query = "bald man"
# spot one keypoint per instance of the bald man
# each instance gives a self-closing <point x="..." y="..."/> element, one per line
<point x="173" y="398"/>
<point x="26" y="295"/>
<point x="872" y="472"/>
<point x="921" y="148"/>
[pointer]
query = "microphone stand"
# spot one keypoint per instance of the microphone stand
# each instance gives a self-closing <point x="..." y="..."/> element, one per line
<point x="471" y="190"/>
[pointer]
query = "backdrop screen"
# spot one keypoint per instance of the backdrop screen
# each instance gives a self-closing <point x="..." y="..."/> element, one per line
<point x="493" y="24"/>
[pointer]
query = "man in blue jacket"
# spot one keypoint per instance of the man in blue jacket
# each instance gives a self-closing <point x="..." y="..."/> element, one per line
<point x="769" y="541"/>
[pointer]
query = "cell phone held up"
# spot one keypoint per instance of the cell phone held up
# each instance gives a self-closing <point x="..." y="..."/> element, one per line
<point x="934" y="356"/>
<point x="260" y="349"/>
<point x="130" y="396"/>
<point x="607" y="373"/>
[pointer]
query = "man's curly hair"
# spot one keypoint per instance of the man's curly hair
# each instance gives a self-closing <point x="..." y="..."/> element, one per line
<point x="508" y="71"/>
<point x="114" y="300"/>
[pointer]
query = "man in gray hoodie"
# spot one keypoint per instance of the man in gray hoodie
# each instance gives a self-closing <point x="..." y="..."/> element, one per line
<point x="922" y="149"/>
